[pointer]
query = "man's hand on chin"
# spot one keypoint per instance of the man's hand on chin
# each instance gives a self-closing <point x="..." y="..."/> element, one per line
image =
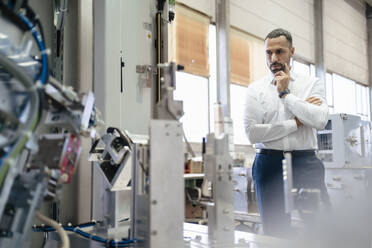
<point x="282" y="79"/>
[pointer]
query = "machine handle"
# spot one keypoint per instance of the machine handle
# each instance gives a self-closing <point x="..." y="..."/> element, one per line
<point x="122" y="64"/>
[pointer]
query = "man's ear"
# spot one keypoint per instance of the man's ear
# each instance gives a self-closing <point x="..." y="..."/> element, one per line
<point x="292" y="51"/>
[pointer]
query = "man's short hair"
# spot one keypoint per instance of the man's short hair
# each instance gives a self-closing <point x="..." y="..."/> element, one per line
<point x="279" y="32"/>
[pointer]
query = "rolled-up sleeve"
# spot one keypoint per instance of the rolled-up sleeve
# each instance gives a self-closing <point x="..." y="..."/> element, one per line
<point x="309" y="114"/>
<point x="256" y="130"/>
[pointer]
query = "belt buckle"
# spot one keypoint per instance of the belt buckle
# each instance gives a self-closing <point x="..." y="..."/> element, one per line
<point x="284" y="152"/>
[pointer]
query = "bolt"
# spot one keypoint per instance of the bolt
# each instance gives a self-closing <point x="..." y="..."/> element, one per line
<point x="154" y="202"/>
<point x="219" y="178"/>
<point x="241" y="241"/>
<point x="226" y="229"/>
<point x="220" y="167"/>
<point x="154" y="232"/>
<point x="166" y="134"/>
<point x="226" y="211"/>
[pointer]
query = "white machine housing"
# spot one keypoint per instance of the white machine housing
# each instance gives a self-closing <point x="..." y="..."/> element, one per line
<point x="346" y="142"/>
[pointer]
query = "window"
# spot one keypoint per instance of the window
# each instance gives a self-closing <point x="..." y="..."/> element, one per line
<point x="343" y="89"/>
<point x="240" y="58"/>
<point x="363" y="102"/>
<point x="304" y="69"/>
<point x="193" y="91"/>
<point x="345" y="96"/>
<point x="237" y="99"/>
<point x="189" y="40"/>
<point x="329" y="92"/>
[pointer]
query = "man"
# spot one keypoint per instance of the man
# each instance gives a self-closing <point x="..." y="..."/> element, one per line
<point x="282" y="113"/>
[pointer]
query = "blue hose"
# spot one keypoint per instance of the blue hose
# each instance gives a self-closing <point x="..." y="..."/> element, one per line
<point x="75" y="229"/>
<point x="40" y="43"/>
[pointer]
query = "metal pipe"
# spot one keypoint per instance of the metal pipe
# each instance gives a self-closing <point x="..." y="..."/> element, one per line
<point x="369" y="31"/>
<point x="320" y="70"/>
<point x="223" y="55"/>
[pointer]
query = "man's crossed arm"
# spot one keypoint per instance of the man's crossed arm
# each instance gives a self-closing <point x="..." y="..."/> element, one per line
<point x="311" y="112"/>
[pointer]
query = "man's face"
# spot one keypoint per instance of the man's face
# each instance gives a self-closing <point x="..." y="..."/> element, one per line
<point x="278" y="53"/>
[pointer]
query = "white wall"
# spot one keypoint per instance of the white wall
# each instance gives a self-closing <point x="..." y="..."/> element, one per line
<point x="346" y="40"/>
<point x="345" y="28"/>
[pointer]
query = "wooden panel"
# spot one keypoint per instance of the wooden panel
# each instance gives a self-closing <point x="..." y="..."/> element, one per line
<point x="239" y="59"/>
<point x="191" y="32"/>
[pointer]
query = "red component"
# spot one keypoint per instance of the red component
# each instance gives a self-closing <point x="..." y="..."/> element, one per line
<point x="70" y="157"/>
<point x="187" y="167"/>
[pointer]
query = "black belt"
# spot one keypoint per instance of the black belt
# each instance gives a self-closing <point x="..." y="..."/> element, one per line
<point x="280" y="152"/>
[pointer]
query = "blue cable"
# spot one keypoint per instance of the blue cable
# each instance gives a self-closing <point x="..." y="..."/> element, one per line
<point x="112" y="243"/>
<point x="93" y="122"/>
<point x="40" y="43"/>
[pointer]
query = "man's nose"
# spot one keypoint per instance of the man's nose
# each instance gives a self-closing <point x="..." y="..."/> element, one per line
<point x="274" y="58"/>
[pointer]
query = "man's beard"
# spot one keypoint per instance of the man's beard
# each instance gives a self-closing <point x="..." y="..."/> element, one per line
<point x="281" y="68"/>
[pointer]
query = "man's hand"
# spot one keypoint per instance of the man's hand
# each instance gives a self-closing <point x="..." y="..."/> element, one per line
<point x="281" y="79"/>
<point x="298" y="122"/>
<point x="314" y="100"/>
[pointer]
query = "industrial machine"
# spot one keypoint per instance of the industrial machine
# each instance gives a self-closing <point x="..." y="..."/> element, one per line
<point x="138" y="177"/>
<point x="345" y="147"/>
<point x="346" y="142"/>
<point x="41" y="123"/>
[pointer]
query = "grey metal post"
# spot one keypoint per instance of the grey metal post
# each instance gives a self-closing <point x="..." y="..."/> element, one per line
<point x="85" y="81"/>
<point x="223" y="55"/>
<point x="369" y="31"/>
<point x="320" y="70"/>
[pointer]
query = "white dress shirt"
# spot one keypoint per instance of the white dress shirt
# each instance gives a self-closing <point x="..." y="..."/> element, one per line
<point x="269" y="120"/>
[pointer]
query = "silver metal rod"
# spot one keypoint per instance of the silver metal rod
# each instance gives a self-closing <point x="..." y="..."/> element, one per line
<point x="223" y="55"/>
<point x="288" y="182"/>
<point x="369" y="31"/>
<point x="320" y="70"/>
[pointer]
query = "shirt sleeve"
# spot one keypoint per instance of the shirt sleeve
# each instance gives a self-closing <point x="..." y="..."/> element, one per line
<point x="309" y="114"/>
<point x="256" y="130"/>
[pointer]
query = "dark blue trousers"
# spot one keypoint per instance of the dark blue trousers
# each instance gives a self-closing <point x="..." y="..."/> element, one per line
<point x="267" y="173"/>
